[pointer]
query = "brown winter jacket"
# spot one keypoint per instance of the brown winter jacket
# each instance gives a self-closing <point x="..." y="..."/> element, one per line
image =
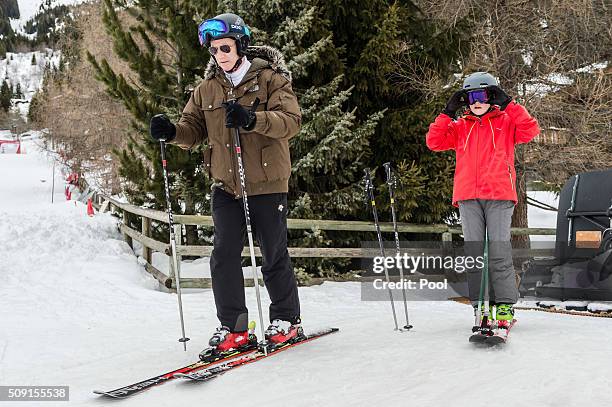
<point x="265" y="148"/>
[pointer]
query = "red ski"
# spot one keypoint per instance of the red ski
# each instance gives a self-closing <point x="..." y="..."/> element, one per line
<point x="491" y="337"/>
<point x="219" y="369"/>
<point x="211" y="360"/>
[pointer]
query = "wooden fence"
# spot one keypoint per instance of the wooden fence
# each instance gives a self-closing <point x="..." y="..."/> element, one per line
<point x="150" y="245"/>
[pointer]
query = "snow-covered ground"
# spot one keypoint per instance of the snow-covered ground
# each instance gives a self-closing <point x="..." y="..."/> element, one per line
<point x="29" y="8"/>
<point x="6" y="134"/>
<point x="17" y="68"/>
<point x="77" y="309"/>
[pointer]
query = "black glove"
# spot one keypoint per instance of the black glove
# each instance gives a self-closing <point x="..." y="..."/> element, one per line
<point x="454" y="103"/>
<point x="498" y="97"/>
<point x="237" y="116"/>
<point x="162" y="128"/>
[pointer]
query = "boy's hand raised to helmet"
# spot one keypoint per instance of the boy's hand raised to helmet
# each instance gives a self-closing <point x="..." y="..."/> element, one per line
<point x="162" y="128"/>
<point x="454" y="103"/>
<point x="498" y="97"/>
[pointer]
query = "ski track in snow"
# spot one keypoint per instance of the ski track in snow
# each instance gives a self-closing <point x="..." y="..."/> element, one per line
<point x="77" y="309"/>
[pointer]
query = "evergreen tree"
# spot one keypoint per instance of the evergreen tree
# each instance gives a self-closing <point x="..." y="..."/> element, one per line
<point x="5" y="96"/>
<point x="341" y="54"/>
<point x="34" y="59"/>
<point x="7" y="42"/>
<point x="327" y="154"/>
<point x="163" y="52"/>
<point x="18" y="93"/>
<point x="49" y="24"/>
<point x="374" y="35"/>
<point x="39" y="99"/>
<point x="10" y="8"/>
<point x="332" y="148"/>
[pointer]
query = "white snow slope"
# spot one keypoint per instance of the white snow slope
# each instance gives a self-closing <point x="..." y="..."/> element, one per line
<point x="76" y="309"/>
<point x="18" y="69"/>
<point x="29" y="8"/>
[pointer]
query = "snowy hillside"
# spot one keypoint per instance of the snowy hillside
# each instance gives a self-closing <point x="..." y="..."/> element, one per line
<point x="77" y="309"/>
<point x="18" y="69"/>
<point x="29" y="8"/>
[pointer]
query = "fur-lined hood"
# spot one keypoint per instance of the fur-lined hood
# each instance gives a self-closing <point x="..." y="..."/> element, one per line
<point x="261" y="57"/>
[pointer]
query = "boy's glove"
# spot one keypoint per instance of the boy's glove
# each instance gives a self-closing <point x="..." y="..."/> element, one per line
<point x="454" y="103"/>
<point x="498" y="97"/>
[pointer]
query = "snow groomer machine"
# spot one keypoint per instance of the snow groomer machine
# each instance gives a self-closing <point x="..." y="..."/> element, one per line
<point x="581" y="268"/>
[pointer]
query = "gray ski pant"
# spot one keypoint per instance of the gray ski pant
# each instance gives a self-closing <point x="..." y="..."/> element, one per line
<point x="496" y="217"/>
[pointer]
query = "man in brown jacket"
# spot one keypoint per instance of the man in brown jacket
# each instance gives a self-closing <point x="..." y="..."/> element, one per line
<point x="236" y="76"/>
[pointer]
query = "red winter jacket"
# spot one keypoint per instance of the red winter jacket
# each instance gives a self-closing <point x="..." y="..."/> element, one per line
<point x="484" y="150"/>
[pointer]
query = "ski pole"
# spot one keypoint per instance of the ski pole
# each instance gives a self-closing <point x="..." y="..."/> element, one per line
<point x="570" y="229"/>
<point x="175" y="264"/>
<point x="480" y="297"/>
<point x="369" y="189"/>
<point x="484" y="289"/>
<point x="247" y="218"/>
<point x="485" y="319"/>
<point x="391" y="182"/>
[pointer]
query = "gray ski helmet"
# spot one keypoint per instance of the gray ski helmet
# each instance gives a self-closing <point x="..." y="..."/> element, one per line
<point x="479" y="80"/>
<point x="226" y="25"/>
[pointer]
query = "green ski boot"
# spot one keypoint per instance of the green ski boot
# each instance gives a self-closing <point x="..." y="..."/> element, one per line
<point x="505" y="314"/>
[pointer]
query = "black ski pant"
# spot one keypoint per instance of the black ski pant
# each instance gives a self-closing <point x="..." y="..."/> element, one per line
<point x="268" y="215"/>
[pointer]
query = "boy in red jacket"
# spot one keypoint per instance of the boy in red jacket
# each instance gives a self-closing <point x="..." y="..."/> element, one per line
<point x="484" y="187"/>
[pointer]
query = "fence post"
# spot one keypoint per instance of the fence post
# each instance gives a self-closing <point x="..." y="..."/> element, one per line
<point x="106" y="206"/>
<point x="178" y="234"/>
<point x="146" y="230"/>
<point x="126" y="222"/>
<point x="447" y="250"/>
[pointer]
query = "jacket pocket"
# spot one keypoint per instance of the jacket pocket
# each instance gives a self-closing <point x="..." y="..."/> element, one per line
<point x="214" y="114"/>
<point x="275" y="161"/>
<point x="248" y="100"/>
<point x="220" y="164"/>
<point x="211" y="106"/>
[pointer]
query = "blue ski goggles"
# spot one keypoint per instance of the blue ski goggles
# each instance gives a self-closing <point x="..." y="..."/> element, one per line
<point x="477" y="95"/>
<point x="212" y="28"/>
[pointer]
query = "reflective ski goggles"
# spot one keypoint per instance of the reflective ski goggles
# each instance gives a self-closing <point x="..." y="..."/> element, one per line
<point x="477" y="95"/>
<point x="212" y="28"/>
<point x="226" y="49"/>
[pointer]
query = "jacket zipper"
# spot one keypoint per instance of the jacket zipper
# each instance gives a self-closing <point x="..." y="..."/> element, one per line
<point x="510" y="175"/>
<point x="234" y="157"/>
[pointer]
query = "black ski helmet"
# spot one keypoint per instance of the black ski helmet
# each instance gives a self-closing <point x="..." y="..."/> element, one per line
<point x="479" y="80"/>
<point x="227" y="25"/>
